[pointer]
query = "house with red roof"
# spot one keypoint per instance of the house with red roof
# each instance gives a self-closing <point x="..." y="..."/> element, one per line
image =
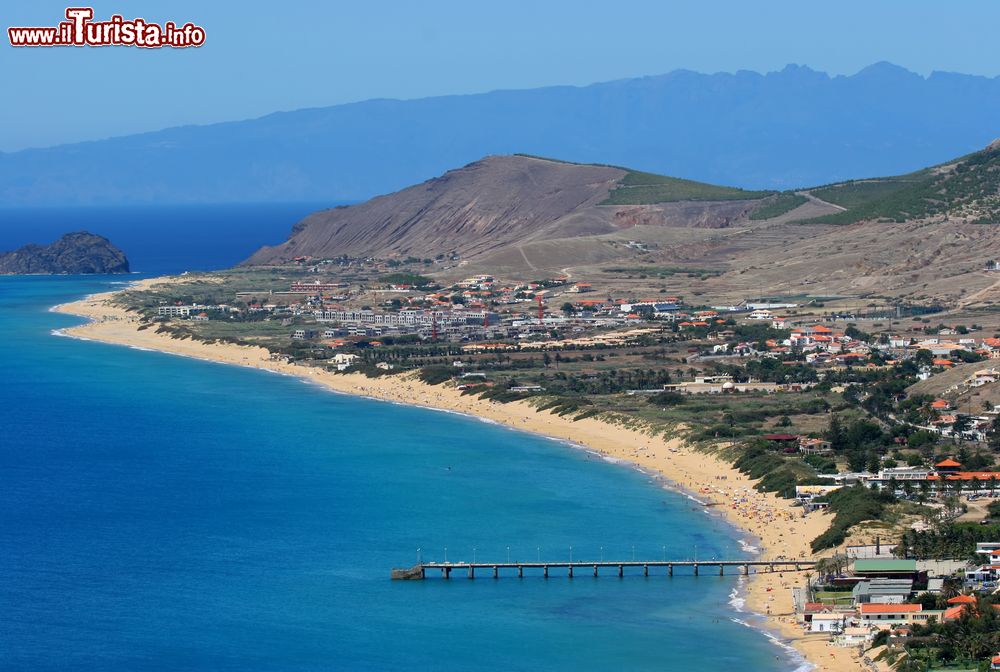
<point x="962" y="599"/>
<point x="884" y="616"/>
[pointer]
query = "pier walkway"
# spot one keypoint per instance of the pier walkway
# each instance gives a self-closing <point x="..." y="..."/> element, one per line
<point x="419" y="571"/>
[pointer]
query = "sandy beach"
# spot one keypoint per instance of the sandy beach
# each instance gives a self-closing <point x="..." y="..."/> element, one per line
<point x="781" y="529"/>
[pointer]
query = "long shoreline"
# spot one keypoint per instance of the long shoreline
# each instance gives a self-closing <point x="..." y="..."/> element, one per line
<point x="779" y="529"/>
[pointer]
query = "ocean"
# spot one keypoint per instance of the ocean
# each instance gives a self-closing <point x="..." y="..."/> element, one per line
<point x="164" y="513"/>
<point x="160" y="239"/>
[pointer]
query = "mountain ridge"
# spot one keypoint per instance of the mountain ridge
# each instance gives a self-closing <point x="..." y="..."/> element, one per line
<point x="759" y="131"/>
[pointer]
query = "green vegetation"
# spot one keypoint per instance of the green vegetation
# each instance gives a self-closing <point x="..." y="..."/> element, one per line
<point x="776" y="474"/>
<point x="638" y="188"/>
<point x="775" y="206"/>
<point x="970" y="188"/>
<point x="850" y="506"/>
<point x="859" y="193"/>
<point x="952" y="540"/>
<point x="435" y="375"/>
<point x="666" y="399"/>
<point x="993" y="509"/>
<point x="963" y="643"/>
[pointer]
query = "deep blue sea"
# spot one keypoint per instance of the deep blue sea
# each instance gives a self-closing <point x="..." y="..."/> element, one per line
<point x="163" y="513"/>
<point x="160" y="239"/>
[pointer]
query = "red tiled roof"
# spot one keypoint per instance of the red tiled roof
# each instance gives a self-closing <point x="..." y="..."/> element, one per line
<point x="969" y="476"/>
<point x="890" y="608"/>
<point x="963" y="599"/>
<point x="951" y="613"/>
<point x="948" y="462"/>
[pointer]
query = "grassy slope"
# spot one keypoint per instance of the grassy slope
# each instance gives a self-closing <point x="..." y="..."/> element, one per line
<point x="638" y="188"/>
<point x="970" y="187"/>
<point x="778" y="205"/>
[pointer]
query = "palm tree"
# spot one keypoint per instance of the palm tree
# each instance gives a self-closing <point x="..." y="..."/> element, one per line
<point x="925" y="489"/>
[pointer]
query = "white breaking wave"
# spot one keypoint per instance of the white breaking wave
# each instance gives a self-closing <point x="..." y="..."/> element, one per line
<point x="801" y="664"/>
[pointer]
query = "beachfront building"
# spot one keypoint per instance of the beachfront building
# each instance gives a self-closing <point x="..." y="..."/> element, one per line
<point x="882" y="591"/>
<point x="174" y="311"/>
<point x="946" y="475"/>
<point x="827" y="622"/>
<point x="806" y="494"/>
<point x="854" y="636"/>
<point x="986" y="574"/>
<point x="720" y="384"/>
<point x="344" y="360"/>
<point x="885" y="616"/>
<point x="886" y="569"/>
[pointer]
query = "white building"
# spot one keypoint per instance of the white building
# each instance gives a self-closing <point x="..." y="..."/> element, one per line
<point x="831" y="622"/>
<point x="174" y="311"/>
<point x="344" y="360"/>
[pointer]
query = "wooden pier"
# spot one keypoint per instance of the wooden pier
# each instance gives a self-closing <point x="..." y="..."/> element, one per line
<point x="496" y="569"/>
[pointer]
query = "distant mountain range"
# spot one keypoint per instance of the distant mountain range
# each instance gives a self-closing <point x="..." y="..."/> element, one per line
<point x="776" y="131"/>
<point x="73" y="254"/>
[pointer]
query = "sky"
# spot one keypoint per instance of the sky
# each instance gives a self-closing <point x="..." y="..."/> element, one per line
<point x="261" y="57"/>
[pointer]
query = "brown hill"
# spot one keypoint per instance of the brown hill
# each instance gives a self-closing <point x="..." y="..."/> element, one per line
<point x="926" y="237"/>
<point x="501" y="202"/>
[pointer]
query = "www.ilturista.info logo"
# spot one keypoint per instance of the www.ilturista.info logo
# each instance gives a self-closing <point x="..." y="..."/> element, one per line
<point x="80" y="30"/>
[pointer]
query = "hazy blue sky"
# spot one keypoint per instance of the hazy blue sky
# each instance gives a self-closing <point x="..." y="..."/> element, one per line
<point x="266" y="56"/>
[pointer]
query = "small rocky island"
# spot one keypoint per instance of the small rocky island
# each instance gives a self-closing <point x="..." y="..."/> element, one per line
<point x="73" y="254"/>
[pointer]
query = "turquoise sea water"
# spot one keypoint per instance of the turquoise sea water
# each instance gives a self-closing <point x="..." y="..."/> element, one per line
<point x="163" y="513"/>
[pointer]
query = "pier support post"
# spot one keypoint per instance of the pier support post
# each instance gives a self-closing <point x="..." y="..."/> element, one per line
<point x="472" y="572"/>
<point x="595" y="571"/>
<point x="746" y="570"/>
<point x="722" y="569"/>
<point x="621" y="571"/>
<point x="696" y="569"/>
<point x="571" y="571"/>
<point x="520" y="571"/>
<point x="645" y="570"/>
<point x="546" y="568"/>
<point x="670" y="570"/>
<point x="496" y="572"/>
<point x="447" y="572"/>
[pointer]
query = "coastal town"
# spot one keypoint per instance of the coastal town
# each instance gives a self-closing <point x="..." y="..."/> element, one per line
<point x="491" y="337"/>
<point x="877" y="421"/>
